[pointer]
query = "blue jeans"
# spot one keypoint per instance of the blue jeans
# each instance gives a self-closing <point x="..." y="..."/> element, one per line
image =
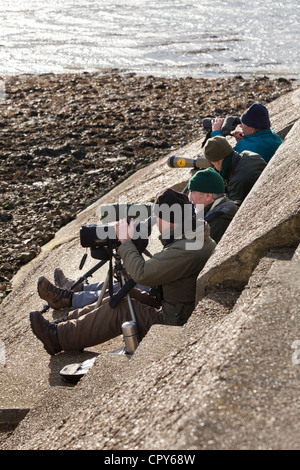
<point x="91" y="292"/>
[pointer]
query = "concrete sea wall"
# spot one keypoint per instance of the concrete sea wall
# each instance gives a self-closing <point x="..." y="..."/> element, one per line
<point x="228" y="379"/>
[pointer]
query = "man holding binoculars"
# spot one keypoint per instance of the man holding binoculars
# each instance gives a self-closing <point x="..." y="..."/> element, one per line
<point x="256" y="135"/>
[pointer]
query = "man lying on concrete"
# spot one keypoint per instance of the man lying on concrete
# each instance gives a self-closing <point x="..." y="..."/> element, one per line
<point x="175" y="269"/>
<point x="207" y="188"/>
<point x="239" y="171"/>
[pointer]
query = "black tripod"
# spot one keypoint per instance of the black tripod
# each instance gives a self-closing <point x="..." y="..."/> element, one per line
<point x="129" y="328"/>
<point x="117" y="271"/>
<point x="73" y="372"/>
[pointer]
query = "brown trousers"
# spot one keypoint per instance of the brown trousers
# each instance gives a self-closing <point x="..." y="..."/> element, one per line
<point x="89" y="326"/>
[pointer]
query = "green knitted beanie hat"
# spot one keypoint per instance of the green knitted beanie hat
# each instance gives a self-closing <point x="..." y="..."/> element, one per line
<point x="207" y="181"/>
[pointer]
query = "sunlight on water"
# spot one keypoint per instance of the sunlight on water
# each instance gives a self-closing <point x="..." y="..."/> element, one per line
<point x="167" y="37"/>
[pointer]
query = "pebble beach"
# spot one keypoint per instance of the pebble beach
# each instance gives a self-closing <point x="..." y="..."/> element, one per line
<point x="67" y="139"/>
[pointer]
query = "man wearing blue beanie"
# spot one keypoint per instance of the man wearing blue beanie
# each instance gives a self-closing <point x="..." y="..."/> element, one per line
<point x="207" y="188"/>
<point x="256" y="136"/>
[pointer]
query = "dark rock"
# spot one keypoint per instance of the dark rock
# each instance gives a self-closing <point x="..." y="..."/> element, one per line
<point x="5" y="216"/>
<point x="27" y="256"/>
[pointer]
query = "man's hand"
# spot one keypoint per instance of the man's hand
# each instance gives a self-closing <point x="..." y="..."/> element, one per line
<point x="216" y="124"/>
<point x="124" y="230"/>
<point x="238" y="135"/>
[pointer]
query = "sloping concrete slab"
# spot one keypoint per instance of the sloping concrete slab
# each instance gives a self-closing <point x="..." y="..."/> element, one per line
<point x="156" y="406"/>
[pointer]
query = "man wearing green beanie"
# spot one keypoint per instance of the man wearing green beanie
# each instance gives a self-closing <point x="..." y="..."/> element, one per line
<point x="207" y="188"/>
<point x="239" y="171"/>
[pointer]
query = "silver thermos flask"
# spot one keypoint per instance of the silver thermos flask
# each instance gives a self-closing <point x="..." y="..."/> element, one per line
<point x="130" y="334"/>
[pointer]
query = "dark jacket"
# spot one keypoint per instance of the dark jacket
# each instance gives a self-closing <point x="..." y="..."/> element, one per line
<point x="244" y="171"/>
<point x="175" y="269"/>
<point x="218" y="215"/>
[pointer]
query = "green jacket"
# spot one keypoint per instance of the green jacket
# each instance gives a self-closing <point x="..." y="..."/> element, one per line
<point x="175" y="269"/>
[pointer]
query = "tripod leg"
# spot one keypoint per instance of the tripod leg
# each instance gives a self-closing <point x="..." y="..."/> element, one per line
<point x="103" y="290"/>
<point x="131" y="308"/>
<point x="130" y="332"/>
<point x="88" y="274"/>
<point x="129" y="328"/>
<point x="128" y="300"/>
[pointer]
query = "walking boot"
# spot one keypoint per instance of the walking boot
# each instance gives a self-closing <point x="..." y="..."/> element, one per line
<point x="46" y="332"/>
<point x="57" y="298"/>
<point x="64" y="282"/>
<point x="61" y="319"/>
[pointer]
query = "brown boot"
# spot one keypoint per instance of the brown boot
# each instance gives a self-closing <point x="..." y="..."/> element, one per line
<point x="64" y="282"/>
<point x="46" y="332"/>
<point x="57" y="298"/>
<point x="61" y="319"/>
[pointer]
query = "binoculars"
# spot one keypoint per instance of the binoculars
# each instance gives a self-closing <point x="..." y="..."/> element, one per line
<point x="229" y="124"/>
<point x="200" y="163"/>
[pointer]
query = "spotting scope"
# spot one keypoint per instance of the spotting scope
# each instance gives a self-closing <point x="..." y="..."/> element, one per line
<point x="183" y="162"/>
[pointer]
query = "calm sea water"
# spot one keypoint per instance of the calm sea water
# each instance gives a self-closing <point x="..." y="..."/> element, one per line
<point x="170" y="38"/>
